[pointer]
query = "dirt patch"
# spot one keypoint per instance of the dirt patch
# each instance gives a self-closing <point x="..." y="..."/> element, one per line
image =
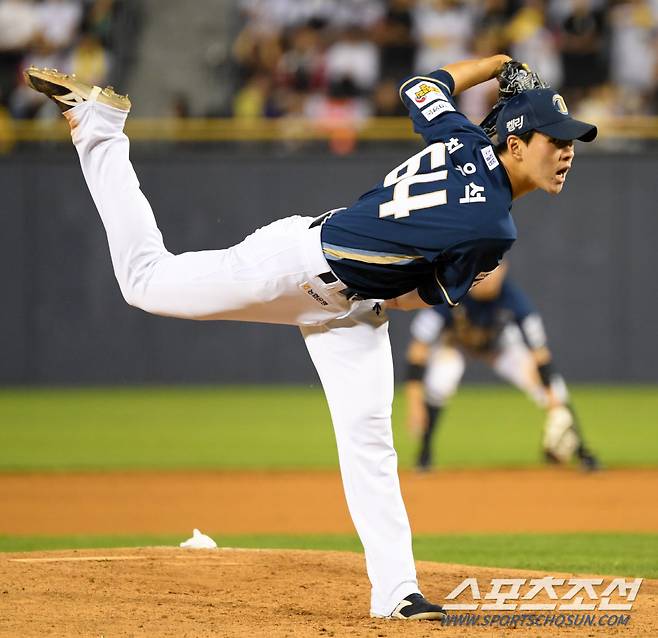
<point x="546" y="500"/>
<point x="173" y="592"/>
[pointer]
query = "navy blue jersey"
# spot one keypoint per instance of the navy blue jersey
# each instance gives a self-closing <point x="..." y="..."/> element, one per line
<point x="477" y="324"/>
<point x="438" y="222"/>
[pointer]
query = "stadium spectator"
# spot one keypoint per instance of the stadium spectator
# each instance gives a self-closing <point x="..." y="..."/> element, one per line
<point x="59" y="22"/>
<point x="582" y="47"/>
<point x="295" y="58"/>
<point x="633" y="53"/>
<point x="75" y="36"/>
<point x="444" y="30"/>
<point x="302" y="66"/>
<point x="90" y="60"/>
<point x="491" y="19"/>
<point x="345" y="14"/>
<point x="395" y="38"/>
<point x="353" y="58"/>
<point x="530" y="39"/>
<point x="254" y="99"/>
<point x="341" y="113"/>
<point x="55" y="26"/>
<point x="19" y="30"/>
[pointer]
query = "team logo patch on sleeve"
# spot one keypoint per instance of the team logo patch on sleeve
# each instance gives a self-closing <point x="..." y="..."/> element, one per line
<point x="424" y="92"/>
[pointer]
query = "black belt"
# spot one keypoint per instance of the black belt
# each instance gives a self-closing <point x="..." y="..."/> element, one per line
<point x="329" y="277"/>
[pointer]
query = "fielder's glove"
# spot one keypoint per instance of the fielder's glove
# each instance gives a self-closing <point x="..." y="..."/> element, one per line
<point x="561" y="439"/>
<point x="514" y="78"/>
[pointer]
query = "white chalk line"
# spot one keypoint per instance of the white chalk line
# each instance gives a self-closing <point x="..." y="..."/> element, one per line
<point x="74" y="559"/>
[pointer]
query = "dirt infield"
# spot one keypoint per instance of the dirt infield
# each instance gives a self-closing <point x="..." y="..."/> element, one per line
<point x="547" y="500"/>
<point x="174" y="592"/>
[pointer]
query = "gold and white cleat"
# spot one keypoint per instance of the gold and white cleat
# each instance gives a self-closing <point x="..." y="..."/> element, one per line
<point x="67" y="91"/>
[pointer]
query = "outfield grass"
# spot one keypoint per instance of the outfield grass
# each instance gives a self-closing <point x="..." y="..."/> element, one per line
<point x="608" y="554"/>
<point x="289" y="427"/>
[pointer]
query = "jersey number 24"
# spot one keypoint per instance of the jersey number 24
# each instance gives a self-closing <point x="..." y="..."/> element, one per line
<point x="406" y="174"/>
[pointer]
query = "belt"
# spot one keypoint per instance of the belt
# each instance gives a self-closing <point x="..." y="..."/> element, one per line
<point x="329" y="277"/>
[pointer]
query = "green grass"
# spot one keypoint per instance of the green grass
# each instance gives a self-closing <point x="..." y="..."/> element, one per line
<point x="600" y="553"/>
<point x="289" y="427"/>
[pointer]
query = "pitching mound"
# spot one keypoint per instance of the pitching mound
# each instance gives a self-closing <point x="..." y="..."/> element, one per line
<point x="174" y="592"/>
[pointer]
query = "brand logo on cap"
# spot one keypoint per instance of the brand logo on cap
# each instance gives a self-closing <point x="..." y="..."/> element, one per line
<point x="514" y="124"/>
<point x="560" y="105"/>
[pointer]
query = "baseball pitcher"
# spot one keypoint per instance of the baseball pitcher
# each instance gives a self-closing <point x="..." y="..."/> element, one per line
<point x="435" y="225"/>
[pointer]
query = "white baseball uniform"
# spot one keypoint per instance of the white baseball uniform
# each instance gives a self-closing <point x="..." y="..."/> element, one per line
<point x="271" y="277"/>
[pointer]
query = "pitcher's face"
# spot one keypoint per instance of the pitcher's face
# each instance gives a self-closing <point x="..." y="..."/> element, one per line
<point x="547" y="161"/>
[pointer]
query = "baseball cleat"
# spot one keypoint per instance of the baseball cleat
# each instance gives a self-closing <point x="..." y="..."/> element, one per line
<point x="423" y="468"/>
<point x="588" y="461"/>
<point x="424" y="464"/>
<point x="415" y="607"/>
<point x="424" y="460"/>
<point x="67" y="91"/>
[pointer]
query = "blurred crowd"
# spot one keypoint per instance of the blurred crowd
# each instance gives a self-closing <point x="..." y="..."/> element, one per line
<point x="75" y="36"/>
<point x="343" y="59"/>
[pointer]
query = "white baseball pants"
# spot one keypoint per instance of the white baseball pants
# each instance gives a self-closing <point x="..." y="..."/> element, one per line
<point x="270" y="277"/>
<point x="513" y="362"/>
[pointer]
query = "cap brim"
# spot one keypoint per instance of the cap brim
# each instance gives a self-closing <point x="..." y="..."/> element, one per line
<point x="570" y="129"/>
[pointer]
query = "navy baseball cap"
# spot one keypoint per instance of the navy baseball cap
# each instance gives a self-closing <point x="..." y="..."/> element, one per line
<point x="541" y="110"/>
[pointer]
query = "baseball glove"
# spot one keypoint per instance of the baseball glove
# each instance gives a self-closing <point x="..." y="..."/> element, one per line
<point x="514" y="78"/>
<point x="561" y="439"/>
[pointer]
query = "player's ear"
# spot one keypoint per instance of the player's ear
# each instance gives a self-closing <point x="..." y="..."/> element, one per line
<point x="515" y="147"/>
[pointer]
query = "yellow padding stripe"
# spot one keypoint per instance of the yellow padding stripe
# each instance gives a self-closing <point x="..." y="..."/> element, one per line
<point x="370" y="259"/>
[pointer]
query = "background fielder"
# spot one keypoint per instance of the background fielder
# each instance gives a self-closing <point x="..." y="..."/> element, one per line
<point x="497" y="324"/>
